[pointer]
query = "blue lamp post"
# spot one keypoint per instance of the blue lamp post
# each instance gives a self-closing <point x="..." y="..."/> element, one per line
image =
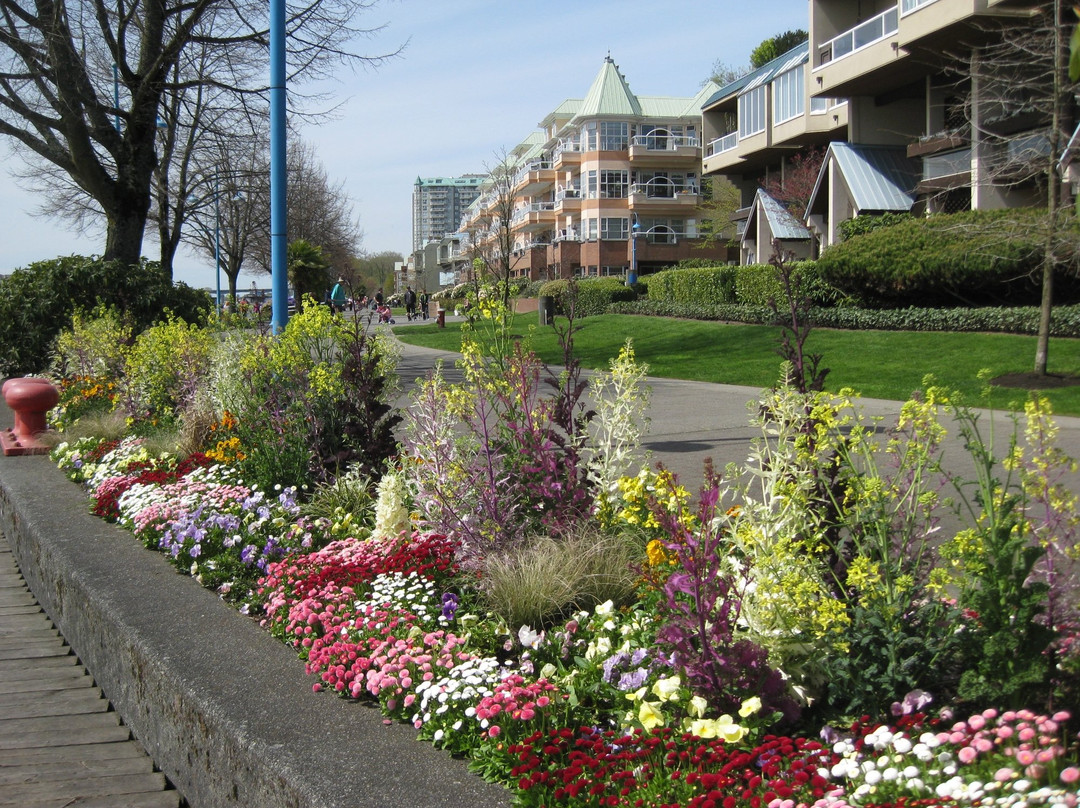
<point x="631" y="276"/>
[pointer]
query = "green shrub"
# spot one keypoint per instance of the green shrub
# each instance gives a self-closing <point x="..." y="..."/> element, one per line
<point x="1006" y="320"/>
<point x="758" y="284"/>
<point x="861" y="225"/>
<point x="972" y="258"/>
<point x="167" y="365"/>
<point x="37" y="302"/>
<point x="712" y="285"/>
<point x="594" y="295"/>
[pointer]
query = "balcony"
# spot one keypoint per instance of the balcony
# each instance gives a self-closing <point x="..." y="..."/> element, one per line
<point x="567" y="153"/>
<point x="536" y="216"/>
<point x="534" y="177"/>
<point x="861" y="36"/>
<point x="722" y="144"/>
<point x="661" y="148"/>
<point x="567" y="199"/>
<point x="662" y="193"/>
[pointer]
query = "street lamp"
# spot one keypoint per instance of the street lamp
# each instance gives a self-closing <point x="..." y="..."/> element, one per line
<point x="631" y="276"/>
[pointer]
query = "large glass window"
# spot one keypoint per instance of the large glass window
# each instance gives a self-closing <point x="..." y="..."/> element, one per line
<point x="613" y="184"/>
<point x="788" y="95"/>
<point x="752" y="112"/>
<point x="614" y="135"/>
<point x="589" y="227"/>
<point x="616" y="229"/>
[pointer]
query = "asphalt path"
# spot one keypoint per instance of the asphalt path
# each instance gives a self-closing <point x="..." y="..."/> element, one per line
<point x="692" y="421"/>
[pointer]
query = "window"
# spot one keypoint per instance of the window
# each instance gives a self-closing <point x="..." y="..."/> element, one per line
<point x="615" y="229"/>
<point x="614" y="135"/>
<point x="613" y="184"/>
<point x="788" y="95"/>
<point x="752" y="112"/>
<point x="591" y="189"/>
<point x="589" y="228"/>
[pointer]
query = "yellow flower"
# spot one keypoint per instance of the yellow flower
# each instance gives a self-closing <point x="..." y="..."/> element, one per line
<point x="697" y="707"/>
<point x="750" y="707"/>
<point x="667" y="689"/>
<point x="649" y="716"/>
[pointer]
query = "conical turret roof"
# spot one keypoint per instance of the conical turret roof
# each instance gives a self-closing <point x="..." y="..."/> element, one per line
<point x="609" y="95"/>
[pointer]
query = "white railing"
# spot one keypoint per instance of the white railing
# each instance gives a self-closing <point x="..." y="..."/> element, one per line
<point x="664" y="142"/>
<point x="537" y="165"/>
<point x="873" y="30"/>
<point x="907" y="6"/>
<point x="722" y="144"/>
<point x="662" y="190"/>
<point x="567" y="193"/>
<point x="569" y="145"/>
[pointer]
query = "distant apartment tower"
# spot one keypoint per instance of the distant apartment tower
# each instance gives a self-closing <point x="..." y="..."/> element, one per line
<point x="438" y="204"/>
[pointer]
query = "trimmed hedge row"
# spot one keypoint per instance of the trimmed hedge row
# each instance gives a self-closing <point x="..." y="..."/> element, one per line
<point x="753" y="285"/>
<point x="1007" y="320"/>
<point x="593" y="295"/>
<point x="973" y="258"/>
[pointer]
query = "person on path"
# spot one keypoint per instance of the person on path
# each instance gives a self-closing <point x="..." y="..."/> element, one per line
<point x="337" y="296"/>
<point x="424" y="304"/>
<point x="410" y="302"/>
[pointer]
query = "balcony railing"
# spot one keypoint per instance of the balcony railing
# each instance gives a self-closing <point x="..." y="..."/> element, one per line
<point x="662" y="189"/>
<point x="907" y="6"/>
<point x="567" y="193"/>
<point x="664" y="142"/>
<point x="570" y="145"/>
<point x="529" y="168"/>
<point x="873" y="30"/>
<point x="722" y="144"/>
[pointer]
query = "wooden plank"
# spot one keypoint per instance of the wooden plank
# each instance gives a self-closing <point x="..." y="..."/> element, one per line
<point x="28" y="609"/>
<point x="64" y="702"/>
<point x="62" y="737"/>
<point x="44" y="663"/>
<point x="48" y="684"/>
<point x="36" y="651"/>
<point x="57" y="771"/>
<point x="73" y="756"/>
<point x="10" y="727"/>
<point x="87" y="787"/>
<point x="161" y="799"/>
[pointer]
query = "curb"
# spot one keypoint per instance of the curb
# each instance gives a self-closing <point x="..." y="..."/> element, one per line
<point x="224" y="709"/>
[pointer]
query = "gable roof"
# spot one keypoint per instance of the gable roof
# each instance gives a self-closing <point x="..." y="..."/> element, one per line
<point x="782" y="224"/>
<point x="878" y="178"/>
<point x="798" y="55"/>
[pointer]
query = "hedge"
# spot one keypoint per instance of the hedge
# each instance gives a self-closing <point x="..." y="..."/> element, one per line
<point x="593" y="295"/>
<point x="1065" y="321"/>
<point x="974" y="258"/>
<point x="36" y="303"/>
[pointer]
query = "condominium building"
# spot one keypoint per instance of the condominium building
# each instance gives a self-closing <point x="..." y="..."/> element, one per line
<point x="438" y="204"/>
<point x="609" y="185"/>
<point x="910" y="103"/>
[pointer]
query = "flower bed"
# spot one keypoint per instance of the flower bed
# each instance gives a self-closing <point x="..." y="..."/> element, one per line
<point x="588" y="636"/>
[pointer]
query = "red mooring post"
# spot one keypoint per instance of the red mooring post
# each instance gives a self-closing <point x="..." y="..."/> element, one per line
<point x="30" y="398"/>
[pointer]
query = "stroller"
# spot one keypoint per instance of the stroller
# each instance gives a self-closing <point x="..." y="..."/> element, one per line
<point x="384" y="314"/>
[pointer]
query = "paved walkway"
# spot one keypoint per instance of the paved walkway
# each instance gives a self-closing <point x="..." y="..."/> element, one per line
<point x="60" y="744"/>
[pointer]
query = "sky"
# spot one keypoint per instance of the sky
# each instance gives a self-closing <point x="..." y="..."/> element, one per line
<point x="474" y="78"/>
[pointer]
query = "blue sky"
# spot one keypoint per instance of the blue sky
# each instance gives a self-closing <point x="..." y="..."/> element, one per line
<point x="475" y="77"/>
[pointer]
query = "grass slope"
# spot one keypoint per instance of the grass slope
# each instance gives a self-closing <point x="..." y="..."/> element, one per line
<point x="877" y="364"/>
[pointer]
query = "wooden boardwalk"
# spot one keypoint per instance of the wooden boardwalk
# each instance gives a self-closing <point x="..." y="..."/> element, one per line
<point x="61" y="746"/>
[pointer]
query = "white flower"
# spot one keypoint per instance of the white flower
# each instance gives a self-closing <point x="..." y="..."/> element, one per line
<point x="605" y="608"/>
<point x="529" y="638"/>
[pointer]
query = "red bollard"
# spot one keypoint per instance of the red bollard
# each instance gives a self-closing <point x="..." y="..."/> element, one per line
<point x="30" y="398"/>
<point x="440" y="316"/>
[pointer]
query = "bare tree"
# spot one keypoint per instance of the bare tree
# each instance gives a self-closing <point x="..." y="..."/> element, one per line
<point x="1019" y="106"/>
<point x="493" y="243"/>
<point x="318" y="211"/>
<point x="82" y="84"/>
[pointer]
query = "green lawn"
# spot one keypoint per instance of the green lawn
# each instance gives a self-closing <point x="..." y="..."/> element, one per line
<point x="877" y="364"/>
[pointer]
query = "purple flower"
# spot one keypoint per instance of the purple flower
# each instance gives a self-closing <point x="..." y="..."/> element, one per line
<point x="449" y="605"/>
<point x="632" y="680"/>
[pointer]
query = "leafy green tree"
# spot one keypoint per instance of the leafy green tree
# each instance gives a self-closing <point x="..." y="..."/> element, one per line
<point x="775" y="46"/>
<point x="308" y="269"/>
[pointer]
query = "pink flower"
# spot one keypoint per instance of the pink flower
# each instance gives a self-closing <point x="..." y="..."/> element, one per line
<point x="976" y="722"/>
<point x="1004" y="774"/>
<point x="983" y="744"/>
<point x="967" y="754"/>
<point x="493" y="731"/>
<point x="1025" y="757"/>
<point x="1070" y="775"/>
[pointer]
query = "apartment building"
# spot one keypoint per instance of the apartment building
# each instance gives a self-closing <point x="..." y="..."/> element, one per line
<point x="910" y="97"/>
<point x="438" y="204"/>
<point x="609" y="185"/>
